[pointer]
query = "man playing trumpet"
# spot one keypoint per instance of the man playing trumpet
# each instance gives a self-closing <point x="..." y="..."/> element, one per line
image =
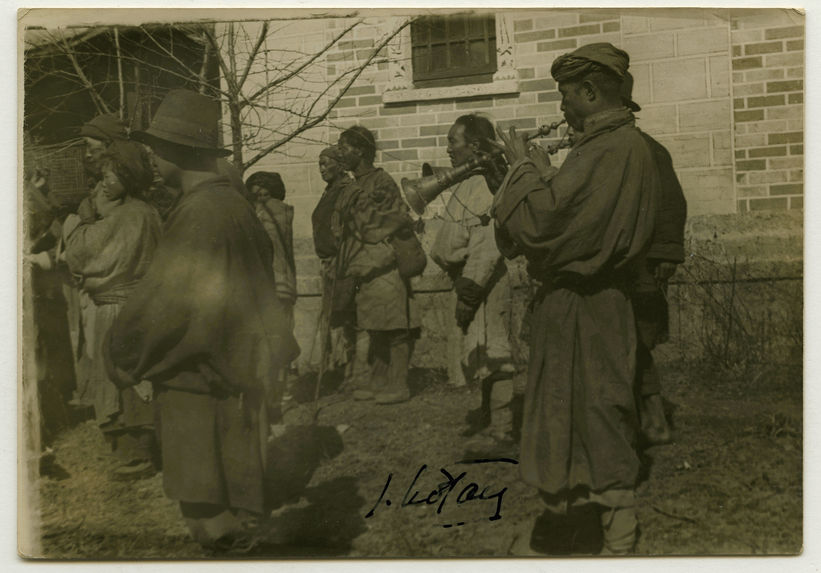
<point x="465" y="248"/>
<point x="583" y="228"/>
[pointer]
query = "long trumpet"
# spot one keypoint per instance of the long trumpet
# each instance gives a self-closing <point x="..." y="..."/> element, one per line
<point x="545" y="130"/>
<point x="421" y="191"/>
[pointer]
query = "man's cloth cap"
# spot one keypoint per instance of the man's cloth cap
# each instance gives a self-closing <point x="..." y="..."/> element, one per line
<point x="585" y="59"/>
<point x="106" y="127"/>
<point x="185" y="118"/>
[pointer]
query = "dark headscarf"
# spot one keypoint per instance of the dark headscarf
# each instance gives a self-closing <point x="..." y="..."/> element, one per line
<point x="361" y="138"/>
<point x="129" y="161"/>
<point x="335" y="153"/>
<point x="267" y="180"/>
<point x="589" y="58"/>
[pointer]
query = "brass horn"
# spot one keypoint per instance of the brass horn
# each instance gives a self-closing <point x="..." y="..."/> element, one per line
<point x="420" y="192"/>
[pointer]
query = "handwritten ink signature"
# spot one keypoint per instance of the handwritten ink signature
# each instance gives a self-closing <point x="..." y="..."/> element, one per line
<point x="470" y="491"/>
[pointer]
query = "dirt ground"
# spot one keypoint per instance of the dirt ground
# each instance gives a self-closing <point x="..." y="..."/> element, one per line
<point x="731" y="483"/>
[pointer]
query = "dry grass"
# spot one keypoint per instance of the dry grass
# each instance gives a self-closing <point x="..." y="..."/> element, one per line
<point x="730" y="484"/>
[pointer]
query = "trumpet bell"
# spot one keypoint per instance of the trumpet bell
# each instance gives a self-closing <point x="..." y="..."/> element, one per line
<point x="420" y="192"/>
<point x="413" y="189"/>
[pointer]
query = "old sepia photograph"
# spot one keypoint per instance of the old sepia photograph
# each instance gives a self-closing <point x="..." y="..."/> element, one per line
<point x="410" y="283"/>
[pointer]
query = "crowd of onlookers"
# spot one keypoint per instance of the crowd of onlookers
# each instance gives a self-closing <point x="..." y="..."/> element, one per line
<point x="174" y="284"/>
<point x="129" y="235"/>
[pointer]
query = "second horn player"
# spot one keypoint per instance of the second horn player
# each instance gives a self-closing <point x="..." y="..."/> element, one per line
<point x="435" y="180"/>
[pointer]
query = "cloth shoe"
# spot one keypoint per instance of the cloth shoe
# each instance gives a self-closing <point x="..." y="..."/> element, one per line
<point x="620" y="527"/>
<point x="393" y="397"/>
<point x="362" y="395"/>
<point x="489" y="444"/>
<point x="134" y="472"/>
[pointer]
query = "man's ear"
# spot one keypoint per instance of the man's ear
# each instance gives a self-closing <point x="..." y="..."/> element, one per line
<point x="475" y="145"/>
<point x="589" y="91"/>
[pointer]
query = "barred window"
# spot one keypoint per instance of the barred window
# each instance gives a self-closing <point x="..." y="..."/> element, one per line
<point x="452" y="50"/>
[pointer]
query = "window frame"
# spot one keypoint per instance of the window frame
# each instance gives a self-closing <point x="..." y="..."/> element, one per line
<point x="456" y="35"/>
<point x="401" y="88"/>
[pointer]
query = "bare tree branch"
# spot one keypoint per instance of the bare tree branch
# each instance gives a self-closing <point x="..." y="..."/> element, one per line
<point x="204" y="67"/>
<point x="99" y="103"/>
<point x="252" y="56"/>
<point x="282" y="79"/>
<point x="319" y="118"/>
<point x="194" y="75"/>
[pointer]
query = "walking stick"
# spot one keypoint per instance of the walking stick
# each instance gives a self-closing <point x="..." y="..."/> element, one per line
<point x="327" y="311"/>
<point x="324" y="333"/>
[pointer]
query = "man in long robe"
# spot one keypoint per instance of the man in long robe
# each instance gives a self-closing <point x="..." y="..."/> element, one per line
<point x="465" y="248"/>
<point x="583" y="228"/>
<point x="385" y="306"/>
<point x="206" y="328"/>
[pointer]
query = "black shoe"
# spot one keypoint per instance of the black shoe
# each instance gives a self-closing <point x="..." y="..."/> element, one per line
<point x="477" y="420"/>
<point x="577" y="533"/>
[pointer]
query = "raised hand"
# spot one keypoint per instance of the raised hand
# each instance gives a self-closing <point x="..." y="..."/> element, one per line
<point x="513" y="145"/>
<point x="540" y="157"/>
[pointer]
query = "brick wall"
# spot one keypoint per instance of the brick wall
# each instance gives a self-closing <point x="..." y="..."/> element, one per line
<point x="681" y="60"/>
<point x="768" y="108"/>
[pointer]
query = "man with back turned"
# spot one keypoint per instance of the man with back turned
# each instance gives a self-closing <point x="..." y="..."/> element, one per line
<point x="583" y="228"/>
<point x="206" y="329"/>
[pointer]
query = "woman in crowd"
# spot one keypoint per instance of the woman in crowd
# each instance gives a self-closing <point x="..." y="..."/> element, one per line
<point x="108" y="247"/>
<point x="337" y="332"/>
<point x="277" y="217"/>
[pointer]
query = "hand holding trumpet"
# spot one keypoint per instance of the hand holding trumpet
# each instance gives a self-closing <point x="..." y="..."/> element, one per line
<point x="516" y="147"/>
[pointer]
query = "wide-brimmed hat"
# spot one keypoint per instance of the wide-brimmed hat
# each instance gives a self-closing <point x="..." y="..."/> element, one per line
<point x="185" y="118"/>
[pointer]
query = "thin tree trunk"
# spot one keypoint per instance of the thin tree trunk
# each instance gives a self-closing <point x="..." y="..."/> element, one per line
<point x="236" y="132"/>
<point x="204" y="68"/>
<point x="235" y="91"/>
<point x="120" y="72"/>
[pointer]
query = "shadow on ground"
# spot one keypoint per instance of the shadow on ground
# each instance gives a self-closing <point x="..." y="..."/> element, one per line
<point x="325" y="527"/>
